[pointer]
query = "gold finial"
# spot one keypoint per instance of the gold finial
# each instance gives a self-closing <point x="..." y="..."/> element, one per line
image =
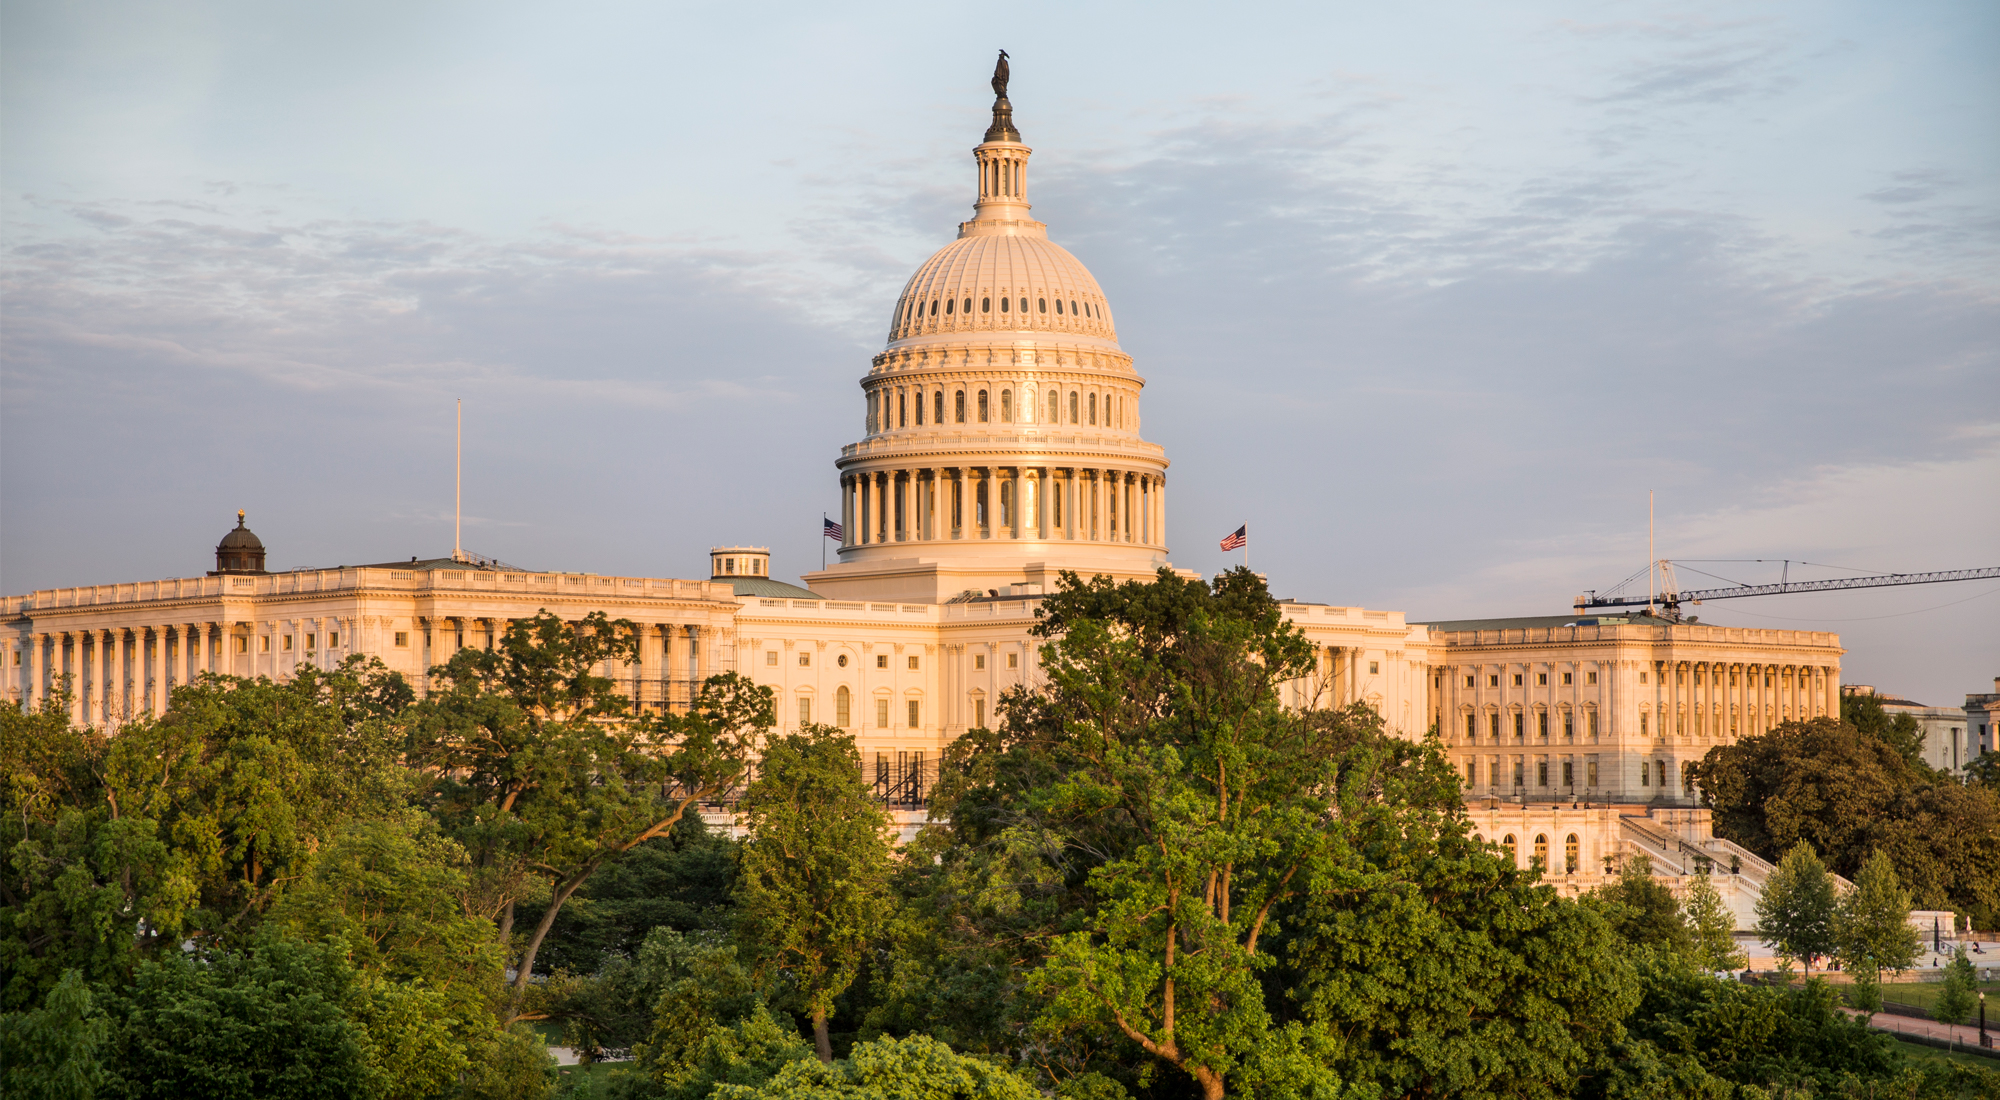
<point x="239" y="517"/>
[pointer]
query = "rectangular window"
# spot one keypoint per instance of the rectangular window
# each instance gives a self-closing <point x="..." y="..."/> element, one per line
<point x="1590" y="677"/>
<point x="1645" y="773"/>
<point x="1374" y="668"/>
<point x="958" y="405"/>
<point x="264" y="643"/>
<point x="1642" y="723"/>
<point x="332" y="641"/>
<point x="194" y="644"/>
<point x="1520" y="769"/>
<point x="805" y="711"/>
<point x="1541" y="771"/>
<point x="1493" y="723"/>
<point x="1013" y="660"/>
<point x="1493" y="771"/>
<point x="881" y="660"/>
<point x="920" y="408"/>
<point x="1471" y="729"/>
<point x="1590" y="771"/>
<point x="243" y="645"/>
<point x="1517" y="679"/>
<point x="1493" y="681"/>
<point x="1471" y="771"/>
<point x="1593" y="725"/>
<point x="1642" y="677"/>
<point x="843" y="703"/>
<point x="1520" y="728"/>
<point x="805" y="660"/>
<point x="1569" y="773"/>
<point x="1569" y="726"/>
<point x="1542" y="725"/>
<point x="1566" y="679"/>
<point x="288" y="643"/>
<point x="913" y="664"/>
<point x="881" y="714"/>
<point x="771" y="658"/>
<point x="1541" y="679"/>
<point x="1468" y="681"/>
<point x="979" y="660"/>
<point x="402" y="639"/>
<point x="916" y="713"/>
<point x="979" y="713"/>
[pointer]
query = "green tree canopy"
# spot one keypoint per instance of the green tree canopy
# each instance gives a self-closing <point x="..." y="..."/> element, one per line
<point x="1871" y="926"/>
<point x="813" y="884"/>
<point x="1711" y="928"/>
<point x="1796" y="912"/>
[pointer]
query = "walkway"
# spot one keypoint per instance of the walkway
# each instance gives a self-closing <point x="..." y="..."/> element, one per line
<point x="1962" y="1034"/>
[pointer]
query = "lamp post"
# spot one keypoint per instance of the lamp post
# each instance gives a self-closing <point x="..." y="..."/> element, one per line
<point x="1985" y="1040"/>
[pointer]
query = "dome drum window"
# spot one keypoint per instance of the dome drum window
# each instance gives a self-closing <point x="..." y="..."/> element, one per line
<point x="1003" y="305"/>
<point x="1043" y="303"/>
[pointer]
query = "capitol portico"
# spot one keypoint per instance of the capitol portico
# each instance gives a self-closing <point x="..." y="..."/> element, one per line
<point x="1000" y="446"/>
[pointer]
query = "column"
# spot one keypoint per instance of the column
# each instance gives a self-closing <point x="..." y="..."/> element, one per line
<point x="1160" y="511"/>
<point x="120" y="679"/>
<point x="69" y="658"/>
<point x="31" y="688"/>
<point x="157" y="672"/>
<point x="1015" y="526"/>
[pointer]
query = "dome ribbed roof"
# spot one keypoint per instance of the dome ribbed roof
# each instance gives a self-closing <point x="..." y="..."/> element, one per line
<point x="240" y="538"/>
<point x="996" y="269"/>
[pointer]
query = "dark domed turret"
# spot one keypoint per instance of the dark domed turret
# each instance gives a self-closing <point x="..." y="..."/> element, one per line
<point x="240" y="551"/>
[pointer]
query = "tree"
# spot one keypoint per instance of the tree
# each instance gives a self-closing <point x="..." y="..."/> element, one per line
<point x="1898" y="731"/>
<point x="1871" y="925"/>
<point x="1960" y="994"/>
<point x="813" y="881"/>
<point x="1711" y="928"/>
<point x="1796" y="913"/>
<point x="54" y="1052"/>
<point x="683" y="881"/>
<point x="536" y="765"/>
<point x="1642" y="910"/>
<point x="917" y="1068"/>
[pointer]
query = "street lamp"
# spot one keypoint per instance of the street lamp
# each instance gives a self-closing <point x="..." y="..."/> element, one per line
<point x="1985" y="1040"/>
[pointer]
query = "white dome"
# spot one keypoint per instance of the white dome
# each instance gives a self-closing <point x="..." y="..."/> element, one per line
<point x="1002" y="282"/>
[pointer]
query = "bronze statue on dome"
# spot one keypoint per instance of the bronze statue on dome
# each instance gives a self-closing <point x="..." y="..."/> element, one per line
<point x="1000" y="76"/>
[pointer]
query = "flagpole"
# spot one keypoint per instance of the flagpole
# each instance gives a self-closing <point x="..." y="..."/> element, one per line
<point x="822" y="542"/>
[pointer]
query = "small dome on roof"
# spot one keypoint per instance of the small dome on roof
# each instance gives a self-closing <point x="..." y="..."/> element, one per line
<point x="242" y="538"/>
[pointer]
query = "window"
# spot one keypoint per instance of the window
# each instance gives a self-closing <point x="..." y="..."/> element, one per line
<point x="1004" y="302"/>
<point x="805" y="710"/>
<point x="243" y="644"/>
<point x="902" y="410"/>
<point x="1493" y="720"/>
<point x="1642" y="677"/>
<point x="842" y="707"/>
<point x="1590" y="677"/>
<point x="881" y="714"/>
<point x="937" y="403"/>
<point x="1569" y="772"/>
<point x="194" y="645"/>
<point x="948" y="304"/>
<point x="1566" y="679"/>
<point x="1642" y="723"/>
<point x="1507" y="842"/>
<point x="1055" y="407"/>
<point x="771" y="658"/>
<point x="1645" y="768"/>
<point x="1471" y="771"/>
<point x="1541" y="771"/>
<point x="288" y="643"/>
<point x="982" y="406"/>
<point x="805" y="660"/>
<point x="958" y="403"/>
<point x="1093" y="408"/>
<point x="1590" y="772"/>
<point x="979" y="713"/>
<point x="1542" y="725"/>
<point x="1520" y="767"/>
<point x="1493" y="681"/>
<point x="1593" y="725"/>
<point x="986" y="305"/>
<point x="1042" y="304"/>
<point x="1517" y="679"/>
<point x="1058" y="307"/>
<point x="1520" y="728"/>
<point x="1569" y="726"/>
<point x="1570" y="852"/>
<point x="913" y="664"/>
<point x="1072" y="307"/>
<point x="1468" y="681"/>
<point x="916" y="713"/>
<point x="1541" y="679"/>
<point x="312" y="641"/>
<point x="979" y="660"/>
<point x="934" y="307"/>
<point x="402" y="640"/>
<point x="1471" y="729"/>
<point x="264" y="644"/>
<point x="1541" y="849"/>
<point x="1006" y="406"/>
<point x="841" y="660"/>
<point x="881" y="660"/>
<point x="332" y="642"/>
<point x="1374" y="668"/>
<point x="1013" y="660"/>
<point x="968" y="305"/>
<point x="1072" y="408"/>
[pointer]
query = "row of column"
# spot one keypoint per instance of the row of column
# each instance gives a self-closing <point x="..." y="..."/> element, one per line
<point x="1693" y="704"/>
<point x="652" y="679"/>
<point x="115" y="674"/>
<point x="921" y="504"/>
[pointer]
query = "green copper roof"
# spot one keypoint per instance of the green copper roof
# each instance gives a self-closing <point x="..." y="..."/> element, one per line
<point x="768" y="588"/>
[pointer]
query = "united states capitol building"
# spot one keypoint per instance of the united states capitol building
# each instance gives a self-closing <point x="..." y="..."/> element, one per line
<point x="1003" y="444"/>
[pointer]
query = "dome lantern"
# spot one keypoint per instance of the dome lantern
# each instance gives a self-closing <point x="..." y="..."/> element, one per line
<point x="240" y="552"/>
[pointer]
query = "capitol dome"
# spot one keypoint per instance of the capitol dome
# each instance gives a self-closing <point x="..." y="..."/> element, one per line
<point x="1001" y="423"/>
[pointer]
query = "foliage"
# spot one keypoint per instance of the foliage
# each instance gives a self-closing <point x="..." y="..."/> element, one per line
<point x="270" y="1020"/>
<point x="1640" y="909"/>
<point x="1960" y="993"/>
<point x="536" y="766"/>
<point x="1711" y="927"/>
<point x="1898" y="731"/>
<point x="683" y="881"/>
<point x="813" y="883"/>
<point x="747" y="1052"/>
<point x="1871" y="926"/>
<point x="1796" y="913"/>
<point x="55" y="1052"/>
<point x="917" y="1068"/>
<point x="1850" y="794"/>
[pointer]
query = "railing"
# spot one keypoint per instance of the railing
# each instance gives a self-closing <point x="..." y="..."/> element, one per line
<point x="899" y="781"/>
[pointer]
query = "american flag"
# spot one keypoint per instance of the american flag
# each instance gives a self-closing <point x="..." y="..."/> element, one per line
<point x="1237" y="539"/>
<point x="831" y="530"/>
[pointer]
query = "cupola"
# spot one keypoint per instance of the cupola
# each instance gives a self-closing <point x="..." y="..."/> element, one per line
<point x="239" y="552"/>
<point x="726" y="563"/>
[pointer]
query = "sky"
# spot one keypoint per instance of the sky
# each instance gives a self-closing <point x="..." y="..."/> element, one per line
<point x="1431" y="296"/>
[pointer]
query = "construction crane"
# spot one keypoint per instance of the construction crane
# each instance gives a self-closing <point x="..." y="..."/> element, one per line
<point x="1670" y="598"/>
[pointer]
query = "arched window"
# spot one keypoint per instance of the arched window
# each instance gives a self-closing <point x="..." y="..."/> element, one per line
<point x="1087" y="311"/>
<point x="1121" y="413"/>
<point x="1570" y="855"/>
<point x="982" y="406"/>
<point x="842" y="707"/>
<point x="1006" y="406"/>
<point x="1006" y="504"/>
<point x="986" y="305"/>
<point x="959" y="402"/>
<point x="1055" y="407"/>
<point x="934" y="307"/>
<point x="902" y="410"/>
<point x="1072" y="408"/>
<point x="938" y="405"/>
<point x="1058" y="307"/>
<point x="1513" y="852"/>
<point x="948" y="303"/>
<point x="1093" y="408"/>
<point x="1003" y="305"/>
<point x="1042" y="304"/>
<point x="1072" y="307"/>
<point x="968" y="305"/>
<point x="1024" y="305"/>
<point x="1541" y="849"/>
<point x="920" y="408"/>
<point x="979" y="505"/>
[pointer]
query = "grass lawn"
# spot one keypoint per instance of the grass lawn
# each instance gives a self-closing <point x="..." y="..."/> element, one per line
<point x="1915" y="1051"/>
<point x="1925" y="994"/>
